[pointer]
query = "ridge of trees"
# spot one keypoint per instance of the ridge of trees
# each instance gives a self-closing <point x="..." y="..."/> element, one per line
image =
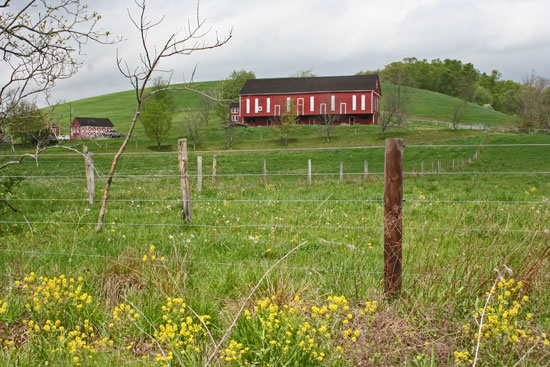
<point x="457" y="79"/>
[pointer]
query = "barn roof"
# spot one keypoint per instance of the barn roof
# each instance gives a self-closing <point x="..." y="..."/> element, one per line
<point x="310" y="85"/>
<point x="234" y="105"/>
<point x="94" y="121"/>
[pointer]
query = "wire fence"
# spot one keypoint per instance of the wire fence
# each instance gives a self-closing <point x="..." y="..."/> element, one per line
<point x="278" y="225"/>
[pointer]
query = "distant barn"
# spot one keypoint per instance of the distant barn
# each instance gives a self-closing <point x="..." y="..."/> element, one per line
<point x="347" y="99"/>
<point x="89" y="127"/>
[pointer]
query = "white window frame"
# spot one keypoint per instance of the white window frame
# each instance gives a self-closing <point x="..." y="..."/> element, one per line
<point x="256" y="105"/>
<point x="323" y="109"/>
<point x="363" y="104"/>
<point x="354" y="102"/>
<point x="287" y="104"/>
<point x="268" y="106"/>
<point x="311" y="103"/>
<point x="234" y="118"/>
<point x="248" y="105"/>
<point x="333" y="103"/>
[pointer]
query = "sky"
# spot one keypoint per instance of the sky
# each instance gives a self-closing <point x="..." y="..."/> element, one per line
<point x="275" y="38"/>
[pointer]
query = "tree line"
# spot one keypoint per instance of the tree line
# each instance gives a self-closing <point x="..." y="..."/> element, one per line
<point x="530" y="100"/>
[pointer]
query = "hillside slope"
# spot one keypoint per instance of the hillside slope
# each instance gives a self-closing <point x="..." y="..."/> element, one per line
<point x="119" y="107"/>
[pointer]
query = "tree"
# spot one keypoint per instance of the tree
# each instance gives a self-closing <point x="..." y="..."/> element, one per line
<point x="285" y="123"/>
<point x="327" y="122"/>
<point x="193" y="123"/>
<point x="40" y="42"/>
<point x="459" y="111"/>
<point x="233" y="85"/>
<point x="303" y="74"/>
<point x="535" y="102"/>
<point x="395" y="102"/>
<point x="26" y="122"/>
<point x="184" y="42"/>
<point x="157" y="121"/>
<point x="206" y="105"/>
<point x="158" y="113"/>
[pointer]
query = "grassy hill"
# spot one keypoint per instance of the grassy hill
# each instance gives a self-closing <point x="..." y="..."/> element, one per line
<point x="119" y="107"/>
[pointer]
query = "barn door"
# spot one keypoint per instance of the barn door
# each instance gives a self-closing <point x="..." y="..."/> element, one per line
<point x="343" y="110"/>
<point x="277" y="110"/>
<point x="300" y="106"/>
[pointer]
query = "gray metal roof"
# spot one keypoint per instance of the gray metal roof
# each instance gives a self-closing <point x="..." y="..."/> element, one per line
<point x="94" y="121"/>
<point x="310" y="85"/>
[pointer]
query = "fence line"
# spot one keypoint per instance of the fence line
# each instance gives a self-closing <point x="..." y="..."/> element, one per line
<point x="426" y="201"/>
<point x="216" y="263"/>
<point x="412" y="173"/>
<point x="273" y="225"/>
<point x="221" y="151"/>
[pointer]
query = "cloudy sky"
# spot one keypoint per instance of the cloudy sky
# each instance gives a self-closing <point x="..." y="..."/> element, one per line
<point x="275" y="38"/>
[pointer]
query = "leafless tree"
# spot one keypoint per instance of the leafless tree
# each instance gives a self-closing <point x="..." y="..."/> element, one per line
<point x="328" y="121"/>
<point x="395" y="102"/>
<point x="206" y="105"/>
<point x="535" y="102"/>
<point x="186" y="42"/>
<point x="40" y="41"/>
<point x="459" y="111"/>
<point x="193" y="122"/>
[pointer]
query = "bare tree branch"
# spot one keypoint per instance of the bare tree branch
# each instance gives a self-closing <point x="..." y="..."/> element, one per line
<point x="150" y="59"/>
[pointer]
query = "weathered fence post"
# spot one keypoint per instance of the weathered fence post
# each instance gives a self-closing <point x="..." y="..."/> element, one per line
<point x="214" y="171"/>
<point x="341" y="172"/>
<point x="183" y="163"/>
<point x="422" y="168"/>
<point x="199" y="173"/>
<point x="264" y="169"/>
<point x="432" y="165"/>
<point x="365" y="170"/>
<point x="309" y="172"/>
<point x="89" y="169"/>
<point x="453" y="164"/>
<point x="393" y="219"/>
<point x="438" y="166"/>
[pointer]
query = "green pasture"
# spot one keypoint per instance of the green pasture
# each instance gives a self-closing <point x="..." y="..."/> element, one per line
<point x="459" y="225"/>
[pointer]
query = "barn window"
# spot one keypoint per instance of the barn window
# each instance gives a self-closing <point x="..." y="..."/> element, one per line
<point x="332" y="103"/>
<point x="354" y="103"/>
<point x="248" y="105"/>
<point x="363" y="102"/>
<point x="256" y="105"/>
<point x="311" y="103"/>
<point x="287" y="104"/>
<point x="268" y="107"/>
<point x="234" y="118"/>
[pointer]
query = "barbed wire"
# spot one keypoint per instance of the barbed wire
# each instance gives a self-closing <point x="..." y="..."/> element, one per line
<point x="274" y="225"/>
<point x="230" y="264"/>
<point x="222" y="151"/>
<point x="425" y="201"/>
<point x="415" y="173"/>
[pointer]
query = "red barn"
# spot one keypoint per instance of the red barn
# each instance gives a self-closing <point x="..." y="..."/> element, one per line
<point x="89" y="127"/>
<point x="349" y="99"/>
<point x="56" y="131"/>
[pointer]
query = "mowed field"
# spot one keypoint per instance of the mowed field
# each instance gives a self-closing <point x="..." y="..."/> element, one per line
<point x="475" y="249"/>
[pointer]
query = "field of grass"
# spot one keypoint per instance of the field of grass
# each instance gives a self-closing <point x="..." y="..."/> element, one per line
<point x="119" y="107"/>
<point x="325" y="304"/>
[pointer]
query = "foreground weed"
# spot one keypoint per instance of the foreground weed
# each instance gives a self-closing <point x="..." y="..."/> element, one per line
<point x="294" y="334"/>
<point x="507" y="331"/>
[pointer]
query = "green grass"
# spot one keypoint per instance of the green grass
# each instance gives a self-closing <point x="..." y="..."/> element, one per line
<point x="120" y="107"/>
<point x="450" y="247"/>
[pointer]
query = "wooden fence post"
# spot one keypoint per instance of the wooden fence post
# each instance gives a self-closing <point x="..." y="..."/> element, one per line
<point x="214" y="171"/>
<point x="432" y="165"/>
<point x="422" y="168"/>
<point x="453" y="164"/>
<point x="438" y="166"/>
<point x="341" y="172"/>
<point x="393" y="219"/>
<point x="309" y="172"/>
<point x="264" y="169"/>
<point x="412" y="168"/>
<point x="183" y="163"/>
<point x="365" y="170"/>
<point x="90" y="177"/>
<point x="199" y="173"/>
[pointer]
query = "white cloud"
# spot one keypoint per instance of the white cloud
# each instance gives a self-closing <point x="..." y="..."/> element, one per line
<point x="276" y="38"/>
